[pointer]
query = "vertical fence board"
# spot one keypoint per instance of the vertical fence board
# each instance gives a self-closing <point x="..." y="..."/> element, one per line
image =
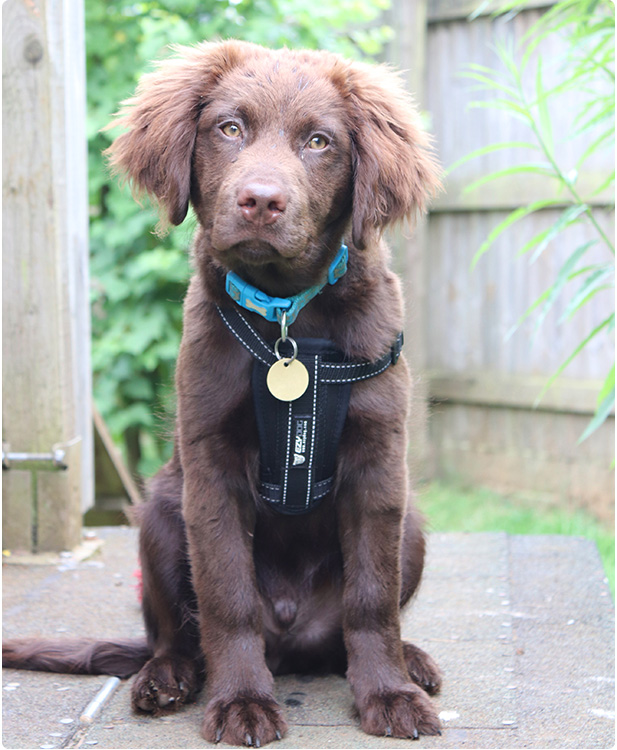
<point x="410" y="20"/>
<point x="46" y="370"/>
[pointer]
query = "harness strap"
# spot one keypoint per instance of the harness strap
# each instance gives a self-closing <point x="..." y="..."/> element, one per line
<point x="299" y="439"/>
<point x="331" y="368"/>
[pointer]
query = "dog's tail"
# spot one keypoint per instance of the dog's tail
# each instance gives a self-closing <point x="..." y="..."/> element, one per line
<point x="120" y="658"/>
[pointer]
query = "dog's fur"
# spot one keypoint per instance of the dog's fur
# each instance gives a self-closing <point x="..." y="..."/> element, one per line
<point x="283" y="155"/>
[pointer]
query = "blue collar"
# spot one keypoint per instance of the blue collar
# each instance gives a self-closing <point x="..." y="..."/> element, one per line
<point x="272" y="308"/>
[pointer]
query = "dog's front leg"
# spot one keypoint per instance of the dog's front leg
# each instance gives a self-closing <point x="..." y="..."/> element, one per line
<point x="241" y="709"/>
<point x="371" y="503"/>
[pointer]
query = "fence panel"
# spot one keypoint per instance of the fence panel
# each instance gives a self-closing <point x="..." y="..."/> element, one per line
<point x="482" y="378"/>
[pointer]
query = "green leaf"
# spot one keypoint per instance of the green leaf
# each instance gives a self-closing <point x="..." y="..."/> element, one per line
<point x="491" y="83"/>
<point x="513" y="217"/>
<point x="609" y="180"/>
<point x="605" y="112"/>
<point x="544" y="120"/>
<point x="605" y="136"/>
<point x="564" y="275"/>
<point x="506" y="55"/>
<point x="568" y="217"/>
<point x="591" y="286"/>
<point x="609" y="383"/>
<point x="477" y="12"/>
<point x="606" y="323"/>
<point x="136" y="414"/>
<point x="489" y="150"/>
<point x="519" y="111"/>
<point x="541" y="168"/>
<point x="534" y="305"/>
<point x="604" y="410"/>
<point x="139" y="389"/>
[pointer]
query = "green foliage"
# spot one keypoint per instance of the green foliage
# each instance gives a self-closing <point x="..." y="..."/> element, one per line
<point x="139" y="278"/>
<point x="588" y="71"/>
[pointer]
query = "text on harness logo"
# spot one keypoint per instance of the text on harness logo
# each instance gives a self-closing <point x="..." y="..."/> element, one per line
<point x="300" y="436"/>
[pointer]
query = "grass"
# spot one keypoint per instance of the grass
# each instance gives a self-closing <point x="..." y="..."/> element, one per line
<point x="451" y="508"/>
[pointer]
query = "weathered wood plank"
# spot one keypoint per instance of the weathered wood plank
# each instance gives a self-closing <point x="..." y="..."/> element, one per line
<point x="533" y="453"/>
<point x="46" y="371"/>
<point x="566" y="396"/>
<point x="112" y="477"/>
<point x="457" y="10"/>
<point x="514" y="191"/>
<point x="410" y="246"/>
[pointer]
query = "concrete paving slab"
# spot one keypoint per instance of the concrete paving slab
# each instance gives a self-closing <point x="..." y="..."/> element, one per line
<point x="523" y="628"/>
<point x="43" y="710"/>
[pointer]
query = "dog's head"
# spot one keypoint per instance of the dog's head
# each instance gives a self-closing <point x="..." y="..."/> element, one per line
<point x="278" y="151"/>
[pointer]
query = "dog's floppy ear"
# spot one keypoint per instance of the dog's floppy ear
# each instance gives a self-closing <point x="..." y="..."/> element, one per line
<point x="395" y="171"/>
<point x="161" y="120"/>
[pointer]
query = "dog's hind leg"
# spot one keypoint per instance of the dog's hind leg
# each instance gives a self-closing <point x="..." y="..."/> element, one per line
<point x="412" y="554"/>
<point x="421" y="667"/>
<point x="175" y="672"/>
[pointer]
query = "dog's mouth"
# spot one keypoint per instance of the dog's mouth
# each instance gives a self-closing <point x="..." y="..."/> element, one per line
<point x="263" y="265"/>
<point x="254" y="252"/>
<point x="258" y="258"/>
<point x="258" y="261"/>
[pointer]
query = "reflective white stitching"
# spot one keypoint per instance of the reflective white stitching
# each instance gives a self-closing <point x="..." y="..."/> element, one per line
<point x="268" y="499"/>
<point x="353" y="380"/>
<point x="349" y="366"/>
<point x="310" y="466"/>
<point x="240" y="339"/>
<point x="284" y="500"/>
<point x="344" y="365"/>
<point x="254" y="332"/>
<point x="270" y="486"/>
<point x="322" y="494"/>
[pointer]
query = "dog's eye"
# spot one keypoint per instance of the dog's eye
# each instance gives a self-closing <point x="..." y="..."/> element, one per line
<point x="318" y="142"/>
<point x="231" y="129"/>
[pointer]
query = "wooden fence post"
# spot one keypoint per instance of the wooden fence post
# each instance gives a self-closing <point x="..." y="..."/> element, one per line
<point x="46" y="319"/>
<point x="408" y="53"/>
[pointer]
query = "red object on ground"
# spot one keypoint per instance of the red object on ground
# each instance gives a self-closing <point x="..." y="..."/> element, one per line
<point x="140" y="584"/>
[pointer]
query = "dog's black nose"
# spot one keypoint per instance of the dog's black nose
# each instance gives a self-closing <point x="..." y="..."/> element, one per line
<point x="262" y="202"/>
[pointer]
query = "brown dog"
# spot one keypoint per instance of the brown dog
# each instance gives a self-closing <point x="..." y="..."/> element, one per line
<point x="282" y="154"/>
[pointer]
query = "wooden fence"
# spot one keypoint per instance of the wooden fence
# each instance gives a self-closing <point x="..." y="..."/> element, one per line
<point x="482" y="384"/>
<point x="46" y="405"/>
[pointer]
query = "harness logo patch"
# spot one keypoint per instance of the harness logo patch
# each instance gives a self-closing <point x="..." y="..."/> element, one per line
<point x="301" y="430"/>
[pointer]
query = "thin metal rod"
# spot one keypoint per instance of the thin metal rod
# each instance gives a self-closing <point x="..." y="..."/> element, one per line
<point x="56" y="458"/>
<point x="28" y="456"/>
<point x="99" y="700"/>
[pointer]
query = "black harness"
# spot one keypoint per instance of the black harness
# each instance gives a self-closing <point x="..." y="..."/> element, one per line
<point x="299" y="439"/>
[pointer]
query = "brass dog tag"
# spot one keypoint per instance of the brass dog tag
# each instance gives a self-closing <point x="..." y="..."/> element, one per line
<point x="287" y="379"/>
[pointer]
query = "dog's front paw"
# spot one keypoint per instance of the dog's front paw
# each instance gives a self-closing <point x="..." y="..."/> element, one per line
<point x="248" y="719"/>
<point x="405" y="712"/>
